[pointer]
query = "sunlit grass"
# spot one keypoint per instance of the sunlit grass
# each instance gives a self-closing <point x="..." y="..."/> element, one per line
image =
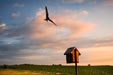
<point x="23" y="72"/>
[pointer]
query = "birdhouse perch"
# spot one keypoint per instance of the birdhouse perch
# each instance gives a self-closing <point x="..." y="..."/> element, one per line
<point x="72" y="55"/>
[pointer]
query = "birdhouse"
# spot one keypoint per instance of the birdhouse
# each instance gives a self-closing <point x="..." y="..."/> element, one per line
<point x="72" y="55"/>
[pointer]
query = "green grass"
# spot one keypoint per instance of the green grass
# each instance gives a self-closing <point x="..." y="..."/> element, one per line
<point x="62" y="70"/>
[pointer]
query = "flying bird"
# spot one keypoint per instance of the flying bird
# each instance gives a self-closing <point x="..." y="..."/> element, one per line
<point x="47" y="16"/>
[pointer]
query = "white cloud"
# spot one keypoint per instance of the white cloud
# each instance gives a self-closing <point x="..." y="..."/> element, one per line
<point x="72" y="1"/>
<point x="2" y="25"/>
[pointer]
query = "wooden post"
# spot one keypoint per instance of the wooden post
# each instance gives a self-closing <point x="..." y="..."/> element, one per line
<point x="76" y="71"/>
<point x="72" y="56"/>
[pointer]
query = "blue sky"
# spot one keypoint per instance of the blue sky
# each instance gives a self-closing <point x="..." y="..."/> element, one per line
<point x="26" y="38"/>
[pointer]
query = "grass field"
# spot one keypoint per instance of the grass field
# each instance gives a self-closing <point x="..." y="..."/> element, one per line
<point x="54" y="70"/>
<point x="23" y="72"/>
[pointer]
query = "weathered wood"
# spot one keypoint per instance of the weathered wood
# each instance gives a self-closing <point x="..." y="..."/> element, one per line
<point x="70" y="55"/>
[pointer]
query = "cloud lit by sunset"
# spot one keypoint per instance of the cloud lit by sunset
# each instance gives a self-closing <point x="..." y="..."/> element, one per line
<point x="27" y="38"/>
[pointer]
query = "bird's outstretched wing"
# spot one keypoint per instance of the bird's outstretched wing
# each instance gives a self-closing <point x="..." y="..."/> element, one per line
<point x="47" y="15"/>
<point x="52" y="21"/>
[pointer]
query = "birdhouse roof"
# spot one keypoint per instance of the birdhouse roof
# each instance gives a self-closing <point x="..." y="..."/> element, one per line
<point x="69" y="50"/>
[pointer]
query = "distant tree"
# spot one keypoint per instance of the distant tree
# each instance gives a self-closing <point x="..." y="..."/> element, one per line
<point x="60" y="64"/>
<point x="5" y="66"/>
<point x="53" y="64"/>
<point x="89" y="64"/>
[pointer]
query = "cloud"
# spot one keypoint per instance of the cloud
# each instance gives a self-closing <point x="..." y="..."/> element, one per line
<point x="69" y="29"/>
<point x="14" y="30"/>
<point x="39" y="38"/>
<point x="89" y="42"/>
<point x="104" y="2"/>
<point x="2" y="25"/>
<point x="108" y="2"/>
<point x="84" y="12"/>
<point x="15" y="15"/>
<point x="72" y="1"/>
<point x="104" y="42"/>
<point x="92" y="2"/>
<point x="74" y="14"/>
<point x="14" y="38"/>
<point x="18" y="5"/>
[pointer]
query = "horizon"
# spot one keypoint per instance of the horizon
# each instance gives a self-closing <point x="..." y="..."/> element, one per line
<point x="53" y="64"/>
<point x="25" y="37"/>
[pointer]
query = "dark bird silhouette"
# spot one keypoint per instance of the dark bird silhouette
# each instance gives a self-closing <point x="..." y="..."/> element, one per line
<point x="47" y="16"/>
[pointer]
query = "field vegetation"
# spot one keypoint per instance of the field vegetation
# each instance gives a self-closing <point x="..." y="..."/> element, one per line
<point x="26" y="69"/>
